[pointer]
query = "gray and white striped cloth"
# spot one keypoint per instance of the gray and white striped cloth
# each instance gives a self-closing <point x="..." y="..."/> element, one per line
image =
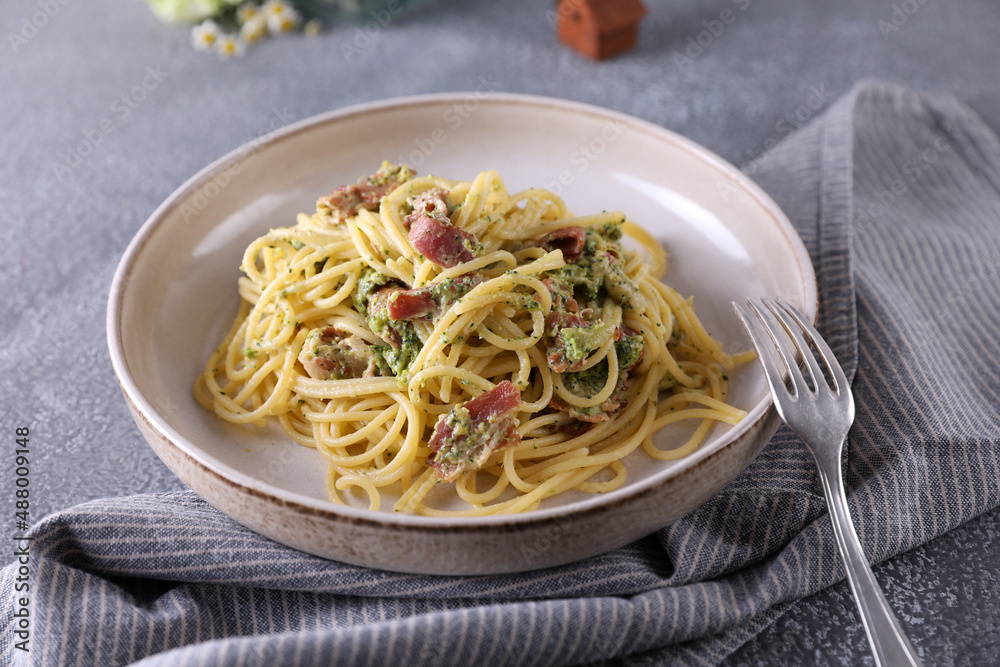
<point x="896" y="194"/>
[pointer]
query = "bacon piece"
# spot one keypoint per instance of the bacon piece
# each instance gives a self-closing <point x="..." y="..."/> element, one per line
<point x="329" y="355"/>
<point x="555" y="352"/>
<point x="345" y="200"/>
<point x="501" y="401"/>
<point x="464" y="438"/>
<point x="556" y="321"/>
<point x="433" y="235"/>
<point x="575" y="427"/>
<point x="570" y="339"/>
<point x="562" y="295"/>
<point x="409" y="305"/>
<point x="568" y="239"/>
<point x="427" y="301"/>
<point x="378" y="316"/>
<point x="430" y="203"/>
<point x="601" y="414"/>
<point x="442" y="243"/>
<point x="624" y="330"/>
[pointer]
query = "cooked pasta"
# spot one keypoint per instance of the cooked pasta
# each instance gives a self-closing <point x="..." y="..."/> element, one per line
<point x="437" y="340"/>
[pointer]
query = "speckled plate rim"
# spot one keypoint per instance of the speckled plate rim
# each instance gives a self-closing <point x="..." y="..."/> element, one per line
<point x="248" y="484"/>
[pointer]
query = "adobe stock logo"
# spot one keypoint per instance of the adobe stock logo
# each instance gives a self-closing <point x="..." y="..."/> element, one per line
<point x="119" y="111"/>
<point x="211" y="189"/>
<point x="585" y="154"/>
<point x="30" y="25"/>
<point x="365" y="35"/>
<point x="901" y="13"/>
<point x="696" y="45"/>
<point x="453" y="117"/>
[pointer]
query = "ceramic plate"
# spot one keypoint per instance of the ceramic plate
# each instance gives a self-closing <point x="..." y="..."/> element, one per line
<point x="175" y="293"/>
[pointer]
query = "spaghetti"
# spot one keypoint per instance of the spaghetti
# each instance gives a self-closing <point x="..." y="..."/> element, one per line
<point x="435" y="339"/>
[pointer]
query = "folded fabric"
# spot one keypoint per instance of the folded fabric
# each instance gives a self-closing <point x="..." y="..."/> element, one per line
<point x="897" y="196"/>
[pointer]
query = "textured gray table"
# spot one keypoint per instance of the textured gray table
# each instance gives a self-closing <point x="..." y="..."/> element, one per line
<point x="104" y="111"/>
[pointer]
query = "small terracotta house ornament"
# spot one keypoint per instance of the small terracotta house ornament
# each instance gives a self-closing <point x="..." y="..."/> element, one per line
<point x="599" y="29"/>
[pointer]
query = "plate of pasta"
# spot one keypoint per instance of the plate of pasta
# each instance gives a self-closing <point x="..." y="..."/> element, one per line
<point x="430" y="334"/>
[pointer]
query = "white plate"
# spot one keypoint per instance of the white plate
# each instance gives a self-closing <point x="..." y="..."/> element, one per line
<point x="175" y="292"/>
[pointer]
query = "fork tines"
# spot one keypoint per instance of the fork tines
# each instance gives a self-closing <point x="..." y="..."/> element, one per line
<point x="781" y="321"/>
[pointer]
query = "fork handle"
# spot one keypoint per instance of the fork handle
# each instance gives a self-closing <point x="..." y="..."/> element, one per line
<point x="885" y="634"/>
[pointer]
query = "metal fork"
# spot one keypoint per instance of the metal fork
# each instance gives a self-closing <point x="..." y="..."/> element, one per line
<point x="822" y="415"/>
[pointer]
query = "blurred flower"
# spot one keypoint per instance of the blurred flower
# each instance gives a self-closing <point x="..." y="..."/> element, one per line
<point x="230" y="45"/>
<point x="246" y="12"/>
<point x="189" y="11"/>
<point x="229" y="26"/>
<point x="281" y="16"/>
<point x="254" y="29"/>
<point x="205" y="35"/>
<point x="275" y="6"/>
<point x="312" y="28"/>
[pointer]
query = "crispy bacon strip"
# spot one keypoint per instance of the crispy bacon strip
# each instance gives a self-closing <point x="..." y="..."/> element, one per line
<point x="465" y="437"/>
<point x="396" y="303"/>
<point x="330" y="355"/>
<point x="556" y="321"/>
<point x="410" y="305"/>
<point x="433" y="235"/>
<point x="562" y="296"/>
<point x="345" y="200"/>
<point x="429" y="203"/>
<point x="429" y="300"/>
<point x="442" y="243"/>
<point x="568" y="239"/>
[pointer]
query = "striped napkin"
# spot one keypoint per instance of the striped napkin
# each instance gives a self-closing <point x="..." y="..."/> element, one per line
<point x="896" y="195"/>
